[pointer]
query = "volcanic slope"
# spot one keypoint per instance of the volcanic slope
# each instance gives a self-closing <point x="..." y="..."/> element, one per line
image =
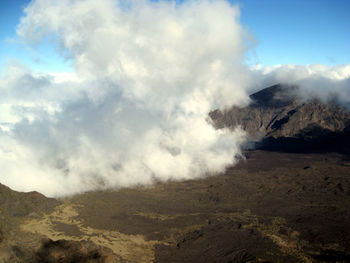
<point x="279" y="119"/>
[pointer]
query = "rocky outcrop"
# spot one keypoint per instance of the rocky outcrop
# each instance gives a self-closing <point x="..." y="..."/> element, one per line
<point x="279" y="119"/>
<point x="66" y="251"/>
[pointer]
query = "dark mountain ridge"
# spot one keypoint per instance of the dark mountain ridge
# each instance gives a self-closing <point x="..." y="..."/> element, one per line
<point x="279" y="119"/>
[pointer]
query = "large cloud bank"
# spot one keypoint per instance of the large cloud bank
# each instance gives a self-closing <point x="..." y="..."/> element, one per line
<point x="135" y="111"/>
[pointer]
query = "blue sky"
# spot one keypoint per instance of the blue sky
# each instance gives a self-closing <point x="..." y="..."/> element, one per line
<point x="299" y="31"/>
<point x="287" y="32"/>
<point x="43" y="57"/>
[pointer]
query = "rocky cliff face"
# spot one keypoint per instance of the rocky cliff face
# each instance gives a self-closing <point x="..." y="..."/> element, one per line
<point x="279" y="118"/>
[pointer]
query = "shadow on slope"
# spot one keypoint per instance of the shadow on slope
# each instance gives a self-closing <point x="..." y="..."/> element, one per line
<point x="312" y="139"/>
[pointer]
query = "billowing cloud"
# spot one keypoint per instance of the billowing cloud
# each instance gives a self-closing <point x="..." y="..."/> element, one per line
<point x="135" y="110"/>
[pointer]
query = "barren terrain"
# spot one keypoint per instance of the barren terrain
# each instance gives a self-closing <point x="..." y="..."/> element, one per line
<point x="271" y="207"/>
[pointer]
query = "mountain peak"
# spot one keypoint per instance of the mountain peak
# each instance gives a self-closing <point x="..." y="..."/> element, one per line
<point x="276" y="96"/>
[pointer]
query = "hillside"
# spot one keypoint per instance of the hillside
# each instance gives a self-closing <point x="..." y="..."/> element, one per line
<point x="17" y="245"/>
<point x="279" y="119"/>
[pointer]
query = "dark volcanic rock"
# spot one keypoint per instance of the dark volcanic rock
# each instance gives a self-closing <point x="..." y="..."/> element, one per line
<point x="222" y="241"/>
<point x="281" y="120"/>
<point x="74" y="252"/>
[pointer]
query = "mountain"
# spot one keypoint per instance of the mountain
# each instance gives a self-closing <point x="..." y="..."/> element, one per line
<point x="280" y="119"/>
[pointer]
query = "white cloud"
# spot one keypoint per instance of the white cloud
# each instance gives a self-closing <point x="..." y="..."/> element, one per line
<point x="315" y="81"/>
<point x="135" y="110"/>
<point x="59" y="77"/>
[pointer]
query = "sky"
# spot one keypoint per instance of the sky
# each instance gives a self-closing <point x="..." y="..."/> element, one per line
<point x="110" y="94"/>
<point x="297" y="32"/>
<point x="41" y="57"/>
